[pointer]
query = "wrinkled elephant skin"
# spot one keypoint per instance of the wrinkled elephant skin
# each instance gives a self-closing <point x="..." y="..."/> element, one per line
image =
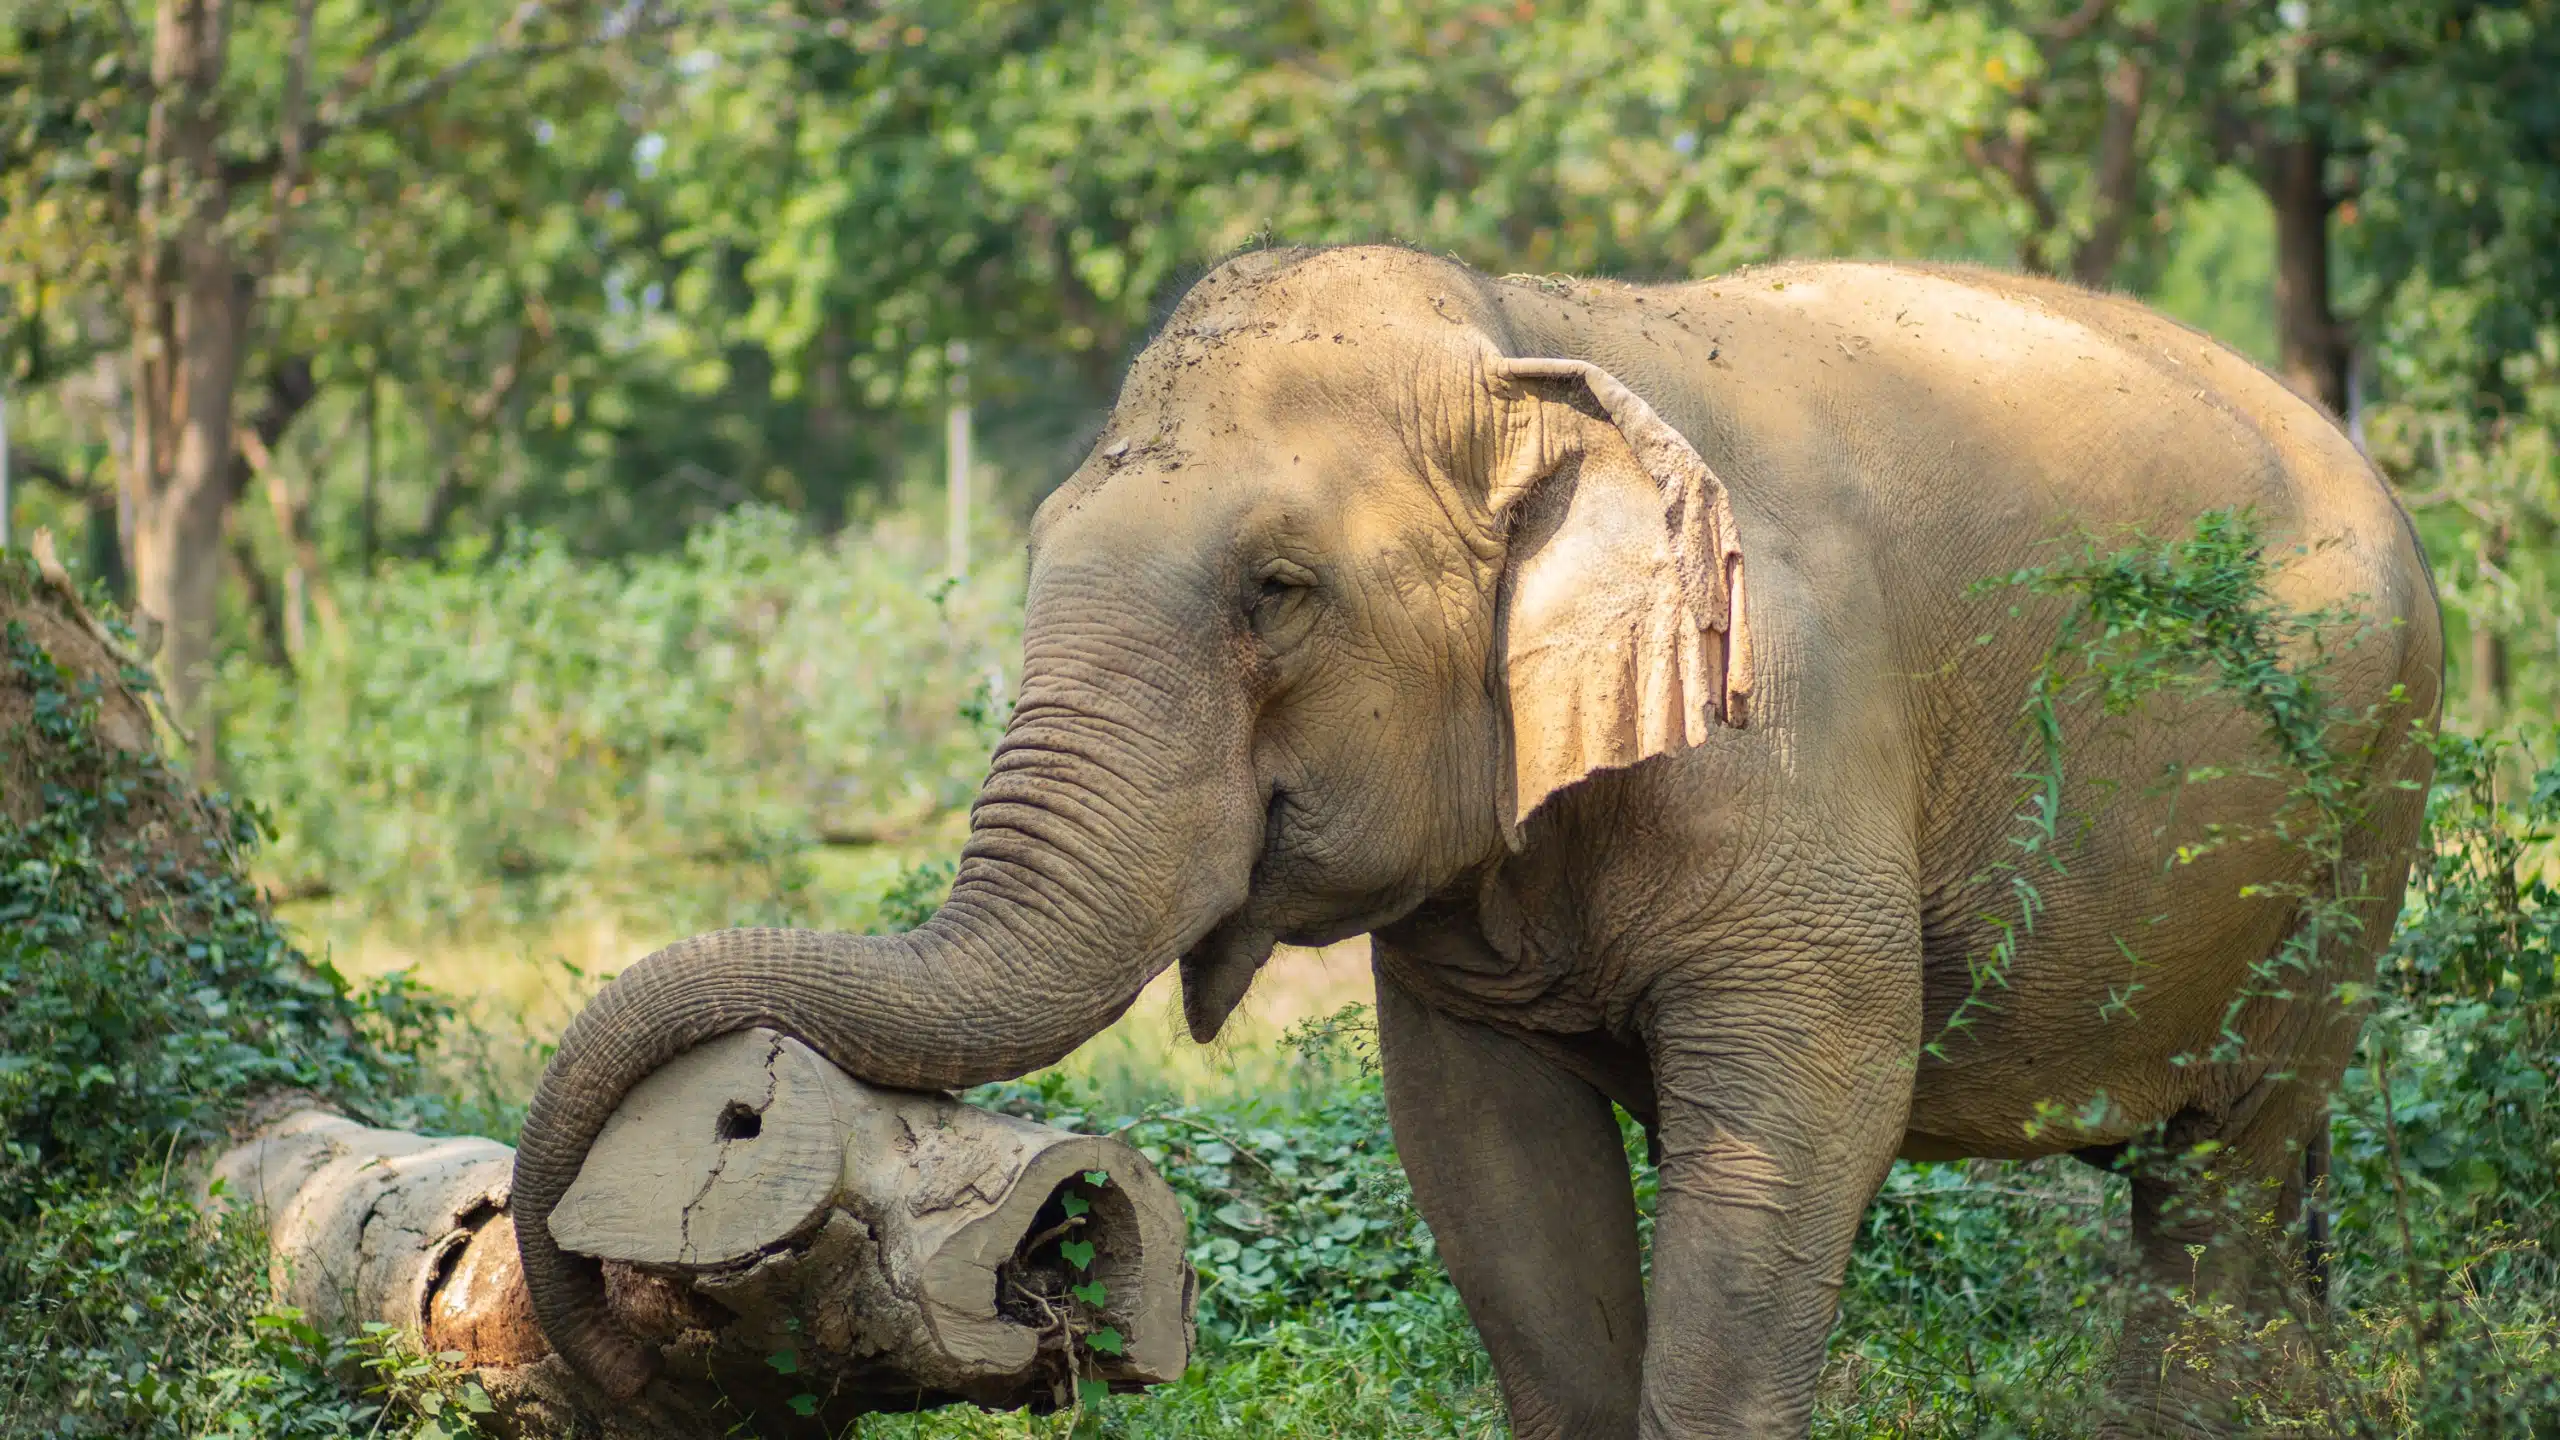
<point x="1613" y="655"/>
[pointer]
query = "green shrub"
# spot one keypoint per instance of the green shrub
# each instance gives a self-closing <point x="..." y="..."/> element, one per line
<point x="149" y="995"/>
<point x="129" y="1313"/>
<point x="509" y="733"/>
<point x="2447" y="1132"/>
<point x="1979" y="1300"/>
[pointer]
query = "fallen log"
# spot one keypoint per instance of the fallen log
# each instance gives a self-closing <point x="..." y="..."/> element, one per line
<point x="801" y="1247"/>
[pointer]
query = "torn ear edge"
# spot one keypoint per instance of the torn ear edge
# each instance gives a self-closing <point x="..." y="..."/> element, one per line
<point x="1655" y="648"/>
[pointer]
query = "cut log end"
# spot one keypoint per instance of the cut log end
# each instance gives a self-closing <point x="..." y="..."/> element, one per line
<point x="796" y="1244"/>
<point x="732" y="1148"/>
<point x="914" y="1242"/>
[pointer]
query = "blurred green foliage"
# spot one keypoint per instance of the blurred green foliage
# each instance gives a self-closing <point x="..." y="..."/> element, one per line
<point x="2447" y="1126"/>
<point x="513" y="732"/>
<point x="627" y="363"/>
<point x="610" y="286"/>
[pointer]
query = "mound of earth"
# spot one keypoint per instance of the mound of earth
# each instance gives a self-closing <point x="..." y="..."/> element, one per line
<point x="77" y="734"/>
<point x="152" y="997"/>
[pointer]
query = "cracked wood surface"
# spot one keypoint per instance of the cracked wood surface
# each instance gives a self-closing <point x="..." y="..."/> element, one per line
<point x="733" y="1147"/>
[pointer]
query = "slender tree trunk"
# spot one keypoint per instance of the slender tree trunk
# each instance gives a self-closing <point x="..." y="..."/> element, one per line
<point x="99" y="403"/>
<point x="2313" y="345"/>
<point x="829" y="452"/>
<point x="306" y="579"/>
<point x="453" y="488"/>
<point x="190" y="318"/>
<point x="111" y="515"/>
<point x="275" y="627"/>
<point x="2488" y="665"/>
<point x="2488" y="673"/>
<point x="103" y="554"/>
<point x="956" y="432"/>
<point x="2119" y="174"/>
<point x="178" y="579"/>
<point x="112" y="381"/>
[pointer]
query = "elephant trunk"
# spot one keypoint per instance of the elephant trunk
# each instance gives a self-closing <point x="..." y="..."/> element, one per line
<point x="1118" y="824"/>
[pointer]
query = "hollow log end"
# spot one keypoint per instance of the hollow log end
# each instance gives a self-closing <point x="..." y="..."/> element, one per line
<point x="993" y="1288"/>
<point x="886" y="1248"/>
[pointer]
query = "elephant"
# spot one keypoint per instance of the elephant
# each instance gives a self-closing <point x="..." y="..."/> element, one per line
<point x="1613" y="656"/>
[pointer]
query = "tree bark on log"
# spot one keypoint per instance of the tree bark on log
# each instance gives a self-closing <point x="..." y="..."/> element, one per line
<point x="803" y="1248"/>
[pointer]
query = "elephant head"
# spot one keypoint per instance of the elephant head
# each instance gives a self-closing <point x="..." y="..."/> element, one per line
<point x="1345" y="589"/>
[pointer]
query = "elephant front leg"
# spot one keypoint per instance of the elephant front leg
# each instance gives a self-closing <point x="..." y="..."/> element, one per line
<point x="1519" y="1169"/>
<point x="1779" y="1117"/>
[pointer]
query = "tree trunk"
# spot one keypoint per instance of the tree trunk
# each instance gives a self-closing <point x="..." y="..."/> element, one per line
<point x="178" y="581"/>
<point x="190" y="317"/>
<point x="827" y="459"/>
<point x="2118" y="181"/>
<point x="2312" y="344"/>
<point x="102" y="553"/>
<point x="2488" y="665"/>
<point x="275" y="626"/>
<point x="794" y="1243"/>
<point x="453" y="487"/>
<point x="306" y="578"/>
<point x="368" y="516"/>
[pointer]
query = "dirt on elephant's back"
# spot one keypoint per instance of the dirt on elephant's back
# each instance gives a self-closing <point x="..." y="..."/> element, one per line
<point x="80" y="764"/>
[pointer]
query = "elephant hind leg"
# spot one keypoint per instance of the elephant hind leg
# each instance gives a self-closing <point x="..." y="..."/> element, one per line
<point x="2229" y="1269"/>
<point x="2215" y="1326"/>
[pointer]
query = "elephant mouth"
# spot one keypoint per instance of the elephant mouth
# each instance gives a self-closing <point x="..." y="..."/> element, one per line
<point x="1219" y="968"/>
<point x="1218" y="971"/>
<point x="1284" y="904"/>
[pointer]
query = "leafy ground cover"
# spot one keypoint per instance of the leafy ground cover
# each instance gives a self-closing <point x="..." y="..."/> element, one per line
<point x="150" y="993"/>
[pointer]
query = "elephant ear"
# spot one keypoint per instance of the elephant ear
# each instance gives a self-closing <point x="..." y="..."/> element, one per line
<point x="1621" y="630"/>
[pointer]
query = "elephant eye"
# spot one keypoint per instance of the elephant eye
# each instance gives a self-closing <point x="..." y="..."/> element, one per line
<point x="1278" y="596"/>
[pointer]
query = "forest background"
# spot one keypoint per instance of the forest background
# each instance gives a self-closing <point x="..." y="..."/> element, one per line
<point x="524" y="427"/>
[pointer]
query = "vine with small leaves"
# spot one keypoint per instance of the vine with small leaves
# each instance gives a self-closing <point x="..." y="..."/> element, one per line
<point x="2190" y="618"/>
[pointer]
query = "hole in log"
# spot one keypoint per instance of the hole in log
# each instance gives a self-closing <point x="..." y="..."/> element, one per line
<point x="1036" y="1288"/>
<point x="476" y="1303"/>
<point x="738" y="1121"/>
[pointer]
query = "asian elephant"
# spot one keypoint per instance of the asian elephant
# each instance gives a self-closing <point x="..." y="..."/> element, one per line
<point x="1613" y="655"/>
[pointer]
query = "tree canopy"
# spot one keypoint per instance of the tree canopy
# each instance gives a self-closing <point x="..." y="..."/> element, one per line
<point x="609" y="271"/>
